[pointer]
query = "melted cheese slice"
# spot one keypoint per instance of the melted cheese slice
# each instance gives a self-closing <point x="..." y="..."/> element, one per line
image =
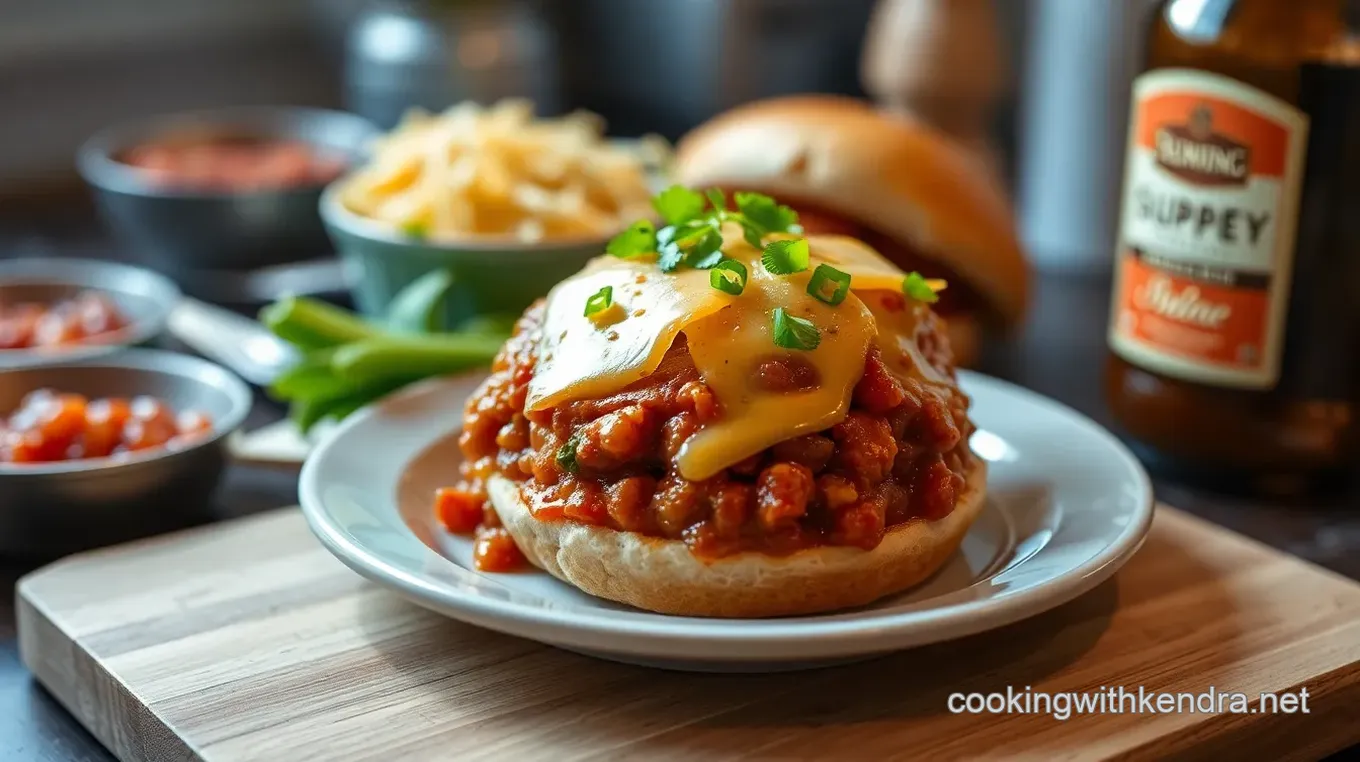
<point x="868" y="269"/>
<point x="578" y="359"/>
<point x="729" y="336"/>
<point x="899" y="322"/>
<point x="728" y="348"/>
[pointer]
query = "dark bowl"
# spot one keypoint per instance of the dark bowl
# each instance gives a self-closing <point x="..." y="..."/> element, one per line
<point x="50" y="509"/>
<point x="145" y="297"/>
<point x="204" y="239"/>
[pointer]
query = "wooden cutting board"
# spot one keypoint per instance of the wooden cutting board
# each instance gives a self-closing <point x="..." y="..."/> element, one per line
<point x="246" y="641"/>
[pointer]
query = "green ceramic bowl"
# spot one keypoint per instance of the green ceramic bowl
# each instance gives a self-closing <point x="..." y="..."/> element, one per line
<point x="490" y="277"/>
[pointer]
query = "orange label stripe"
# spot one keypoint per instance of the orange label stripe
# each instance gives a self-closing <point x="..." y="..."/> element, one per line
<point x="1218" y="324"/>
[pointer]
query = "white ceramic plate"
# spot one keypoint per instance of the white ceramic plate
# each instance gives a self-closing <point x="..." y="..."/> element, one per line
<point x="1067" y="506"/>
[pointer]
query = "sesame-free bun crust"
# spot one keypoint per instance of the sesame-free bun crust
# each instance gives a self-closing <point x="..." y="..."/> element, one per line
<point x="665" y="577"/>
<point x="887" y="171"/>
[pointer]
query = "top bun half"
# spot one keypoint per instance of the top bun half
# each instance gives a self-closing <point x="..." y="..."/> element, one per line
<point x="891" y="173"/>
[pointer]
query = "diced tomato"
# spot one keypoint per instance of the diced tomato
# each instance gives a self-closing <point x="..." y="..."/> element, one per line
<point x="25" y="447"/>
<point x="104" y="421"/>
<point x="86" y="316"/>
<point x="50" y="427"/>
<point x="17" y="326"/>
<point x="193" y="423"/>
<point x="62" y="420"/>
<point x="458" y="510"/>
<point x="152" y="424"/>
<point x="496" y="551"/>
<point x="58" y="327"/>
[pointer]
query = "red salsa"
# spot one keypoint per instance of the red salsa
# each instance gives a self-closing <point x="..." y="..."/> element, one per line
<point x="87" y="317"/>
<point x="231" y="164"/>
<point x="51" y="426"/>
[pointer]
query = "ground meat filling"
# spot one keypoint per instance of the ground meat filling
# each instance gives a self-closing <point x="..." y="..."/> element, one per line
<point x="900" y="454"/>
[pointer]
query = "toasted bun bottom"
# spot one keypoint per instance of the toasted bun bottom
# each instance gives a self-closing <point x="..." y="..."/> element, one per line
<point x="665" y="577"/>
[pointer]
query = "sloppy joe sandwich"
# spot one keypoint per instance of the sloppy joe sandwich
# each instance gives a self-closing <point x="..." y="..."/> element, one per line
<point x="907" y="190"/>
<point x="724" y="417"/>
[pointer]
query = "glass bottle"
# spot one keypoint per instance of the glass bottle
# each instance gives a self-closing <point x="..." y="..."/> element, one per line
<point x="1235" y="327"/>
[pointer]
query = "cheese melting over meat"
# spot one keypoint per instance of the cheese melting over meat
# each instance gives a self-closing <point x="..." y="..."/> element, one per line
<point x="729" y="336"/>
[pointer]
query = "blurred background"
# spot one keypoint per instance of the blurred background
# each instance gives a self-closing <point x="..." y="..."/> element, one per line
<point x="71" y="67"/>
<point x="1038" y="90"/>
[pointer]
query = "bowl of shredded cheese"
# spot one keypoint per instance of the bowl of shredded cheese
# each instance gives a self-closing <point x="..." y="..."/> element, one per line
<point x="506" y="202"/>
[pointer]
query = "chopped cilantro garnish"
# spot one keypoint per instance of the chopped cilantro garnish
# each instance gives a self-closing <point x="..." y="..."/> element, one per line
<point x="706" y="251"/>
<point x="639" y="238"/>
<point x="692" y="235"/>
<point x="768" y="215"/>
<point x="670" y="257"/>
<point x="566" y="454"/>
<point x="678" y="204"/>
<point x="920" y="289"/>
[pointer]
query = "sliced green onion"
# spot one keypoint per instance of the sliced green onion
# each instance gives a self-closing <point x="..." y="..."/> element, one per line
<point x="752" y="233"/>
<point x="600" y="301"/>
<point x="688" y="235"/>
<point x="708" y="261"/>
<point x="705" y="252"/>
<point x="794" y="332"/>
<point x="829" y="285"/>
<point x="786" y="257"/>
<point x="728" y="276"/>
<point x="919" y="288"/>
<point x="566" y="454"/>
<point x="698" y="246"/>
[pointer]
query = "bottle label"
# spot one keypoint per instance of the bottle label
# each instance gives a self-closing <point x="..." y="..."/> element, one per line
<point x="1205" y="252"/>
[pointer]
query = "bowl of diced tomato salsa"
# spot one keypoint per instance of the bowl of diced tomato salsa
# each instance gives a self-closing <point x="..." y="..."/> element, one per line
<point x="60" y="310"/>
<point x="111" y="448"/>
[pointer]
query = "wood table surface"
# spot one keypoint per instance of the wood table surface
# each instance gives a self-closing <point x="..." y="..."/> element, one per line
<point x="1060" y="354"/>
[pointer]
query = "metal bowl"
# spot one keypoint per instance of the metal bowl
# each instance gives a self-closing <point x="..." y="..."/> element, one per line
<point x="145" y="297"/>
<point x="50" y="509"/>
<point x="204" y="239"/>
